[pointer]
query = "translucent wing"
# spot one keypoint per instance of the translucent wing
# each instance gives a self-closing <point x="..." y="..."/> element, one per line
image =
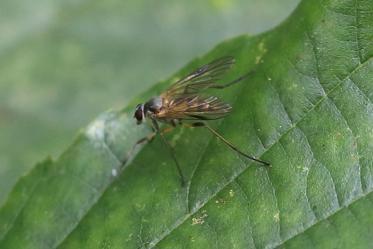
<point x="202" y="78"/>
<point x="194" y="107"/>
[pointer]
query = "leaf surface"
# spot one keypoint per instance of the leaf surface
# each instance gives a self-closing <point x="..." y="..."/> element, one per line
<point x="307" y="110"/>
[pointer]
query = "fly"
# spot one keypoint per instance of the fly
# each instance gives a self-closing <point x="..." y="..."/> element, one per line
<point x="183" y="101"/>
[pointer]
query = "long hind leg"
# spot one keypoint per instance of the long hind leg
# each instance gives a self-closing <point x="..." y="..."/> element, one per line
<point x="229" y="144"/>
<point x="171" y="150"/>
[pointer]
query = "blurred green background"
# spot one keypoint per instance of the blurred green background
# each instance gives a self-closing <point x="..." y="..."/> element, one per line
<point x="63" y="62"/>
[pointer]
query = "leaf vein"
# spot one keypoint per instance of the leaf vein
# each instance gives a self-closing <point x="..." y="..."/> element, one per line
<point x="193" y="211"/>
<point x="357" y="34"/>
<point x="354" y="137"/>
<point x="245" y="196"/>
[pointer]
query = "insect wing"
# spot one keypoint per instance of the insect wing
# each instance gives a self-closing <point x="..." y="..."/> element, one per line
<point x="195" y="108"/>
<point x="201" y="78"/>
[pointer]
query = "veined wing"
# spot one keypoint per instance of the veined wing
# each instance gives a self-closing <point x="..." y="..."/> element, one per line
<point x="202" y="78"/>
<point x="194" y="107"/>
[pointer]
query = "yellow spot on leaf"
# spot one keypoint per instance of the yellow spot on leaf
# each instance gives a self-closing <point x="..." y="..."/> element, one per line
<point x="277" y="217"/>
<point x="199" y="220"/>
<point x="262" y="50"/>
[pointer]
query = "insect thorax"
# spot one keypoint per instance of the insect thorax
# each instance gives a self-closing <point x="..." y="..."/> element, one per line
<point x="153" y="105"/>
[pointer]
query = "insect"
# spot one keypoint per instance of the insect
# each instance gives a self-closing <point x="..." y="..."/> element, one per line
<point x="184" y="104"/>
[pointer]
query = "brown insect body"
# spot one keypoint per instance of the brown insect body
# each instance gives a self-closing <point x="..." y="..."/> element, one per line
<point x="184" y="101"/>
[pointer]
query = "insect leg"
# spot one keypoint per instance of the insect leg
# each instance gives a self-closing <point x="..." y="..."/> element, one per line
<point x="229" y="144"/>
<point x="148" y="139"/>
<point x="221" y="86"/>
<point x="171" y="150"/>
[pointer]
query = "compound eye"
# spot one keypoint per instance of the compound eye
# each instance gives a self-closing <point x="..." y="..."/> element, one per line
<point x="138" y="114"/>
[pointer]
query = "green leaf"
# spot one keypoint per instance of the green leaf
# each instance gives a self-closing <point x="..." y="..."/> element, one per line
<point x="75" y="59"/>
<point x="307" y="110"/>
